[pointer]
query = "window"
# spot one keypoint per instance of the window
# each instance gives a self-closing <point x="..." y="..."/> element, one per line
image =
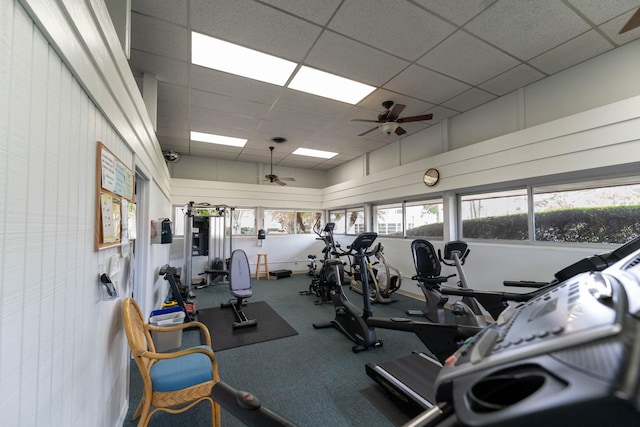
<point x="424" y="218"/>
<point x="339" y="217"/>
<point x="604" y="214"/>
<point x="388" y="220"/>
<point x="244" y="221"/>
<point x="355" y="221"/>
<point x="290" y="221"/>
<point x="306" y="220"/>
<point x="497" y="216"/>
<point x="279" y="221"/>
<point x="348" y="221"/>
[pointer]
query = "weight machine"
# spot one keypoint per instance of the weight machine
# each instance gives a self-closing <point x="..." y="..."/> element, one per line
<point x="213" y="237"/>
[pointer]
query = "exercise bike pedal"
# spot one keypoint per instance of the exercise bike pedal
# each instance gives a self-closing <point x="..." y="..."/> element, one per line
<point x="359" y="348"/>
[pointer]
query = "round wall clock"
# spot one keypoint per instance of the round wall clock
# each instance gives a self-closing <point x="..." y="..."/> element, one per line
<point x="431" y="177"/>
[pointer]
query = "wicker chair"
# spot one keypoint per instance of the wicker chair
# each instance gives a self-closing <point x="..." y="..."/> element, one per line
<point x="173" y="382"/>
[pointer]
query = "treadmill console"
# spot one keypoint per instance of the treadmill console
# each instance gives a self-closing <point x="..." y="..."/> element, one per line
<point x="568" y="357"/>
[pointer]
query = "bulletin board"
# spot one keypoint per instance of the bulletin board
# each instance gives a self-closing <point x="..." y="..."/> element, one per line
<point x="115" y="207"/>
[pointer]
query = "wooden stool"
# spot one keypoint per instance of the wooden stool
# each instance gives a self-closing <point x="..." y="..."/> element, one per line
<point x="265" y="263"/>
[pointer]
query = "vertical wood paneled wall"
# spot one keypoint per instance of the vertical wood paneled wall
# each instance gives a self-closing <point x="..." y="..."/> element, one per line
<point x="63" y="355"/>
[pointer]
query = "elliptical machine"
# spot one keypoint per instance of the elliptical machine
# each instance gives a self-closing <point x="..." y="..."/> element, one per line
<point x="348" y="318"/>
<point x="324" y="280"/>
<point x="384" y="279"/>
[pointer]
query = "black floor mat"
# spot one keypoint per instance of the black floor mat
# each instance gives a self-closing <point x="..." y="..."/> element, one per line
<point x="219" y="321"/>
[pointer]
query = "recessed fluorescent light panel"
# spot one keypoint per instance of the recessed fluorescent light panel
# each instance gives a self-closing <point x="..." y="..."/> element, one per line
<point x="217" y="139"/>
<point x="230" y="58"/>
<point x="314" y="153"/>
<point x="330" y="86"/>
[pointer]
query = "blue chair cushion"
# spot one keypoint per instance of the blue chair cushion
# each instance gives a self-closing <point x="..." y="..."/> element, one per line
<point x="181" y="372"/>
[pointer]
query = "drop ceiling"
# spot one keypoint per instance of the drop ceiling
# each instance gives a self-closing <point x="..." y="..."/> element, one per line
<point x="442" y="57"/>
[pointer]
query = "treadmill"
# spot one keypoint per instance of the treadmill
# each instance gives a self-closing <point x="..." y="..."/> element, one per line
<point x="410" y="380"/>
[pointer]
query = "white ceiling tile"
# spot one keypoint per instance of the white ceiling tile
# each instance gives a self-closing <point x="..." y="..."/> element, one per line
<point x="526" y="28"/>
<point x="453" y="56"/>
<point x="426" y="85"/>
<point x="173" y="122"/>
<point x="173" y="109"/>
<point x="599" y="11"/>
<point x="345" y="57"/>
<point x="469" y="99"/>
<point x="457" y="11"/>
<point x="284" y="129"/>
<point x="308" y="103"/>
<point x="165" y="69"/>
<point x="573" y="52"/>
<point x="179" y="145"/>
<point x="173" y="133"/>
<point x="318" y="11"/>
<point x="440" y="113"/>
<point x="174" y="11"/>
<point x="364" y="41"/>
<point x="221" y="118"/>
<point x="613" y="27"/>
<point x="300" y="119"/>
<point x="235" y="86"/>
<point x="513" y="79"/>
<point x="173" y="94"/>
<point x="399" y="28"/>
<point x="255" y="25"/>
<point x="159" y="37"/>
<point x="227" y="104"/>
<point x="213" y="153"/>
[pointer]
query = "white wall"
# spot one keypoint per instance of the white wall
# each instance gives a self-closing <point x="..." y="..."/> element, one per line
<point x="64" y="85"/>
<point x="62" y="349"/>
<point x="284" y="252"/>
<point x="200" y="168"/>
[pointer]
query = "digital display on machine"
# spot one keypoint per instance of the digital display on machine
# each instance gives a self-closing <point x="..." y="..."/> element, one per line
<point x="556" y="315"/>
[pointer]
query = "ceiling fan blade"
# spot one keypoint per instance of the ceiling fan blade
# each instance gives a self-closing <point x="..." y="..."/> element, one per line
<point x="415" y="118"/>
<point x="277" y="181"/>
<point x="365" y="120"/>
<point x="366" y="132"/>
<point x="400" y="131"/>
<point x="287" y="179"/>
<point x="395" y="112"/>
<point x="632" y="23"/>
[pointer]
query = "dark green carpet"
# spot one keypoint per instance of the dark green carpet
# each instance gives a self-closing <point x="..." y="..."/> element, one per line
<point x="219" y="321"/>
<point x="313" y="378"/>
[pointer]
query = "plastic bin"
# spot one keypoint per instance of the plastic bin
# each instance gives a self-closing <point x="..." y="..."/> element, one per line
<point x="165" y="341"/>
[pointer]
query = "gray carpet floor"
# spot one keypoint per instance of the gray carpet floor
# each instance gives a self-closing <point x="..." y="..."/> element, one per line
<point x="313" y="378"/>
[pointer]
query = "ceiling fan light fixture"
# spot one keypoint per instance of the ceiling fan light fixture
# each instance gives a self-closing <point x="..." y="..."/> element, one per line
<point x="388" y="127"/>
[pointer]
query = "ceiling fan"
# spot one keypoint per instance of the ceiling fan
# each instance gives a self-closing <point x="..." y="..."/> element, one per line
<point x="632" y="23"/>
<point x="389" y="120"/>
<point x="274" y="178"/>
